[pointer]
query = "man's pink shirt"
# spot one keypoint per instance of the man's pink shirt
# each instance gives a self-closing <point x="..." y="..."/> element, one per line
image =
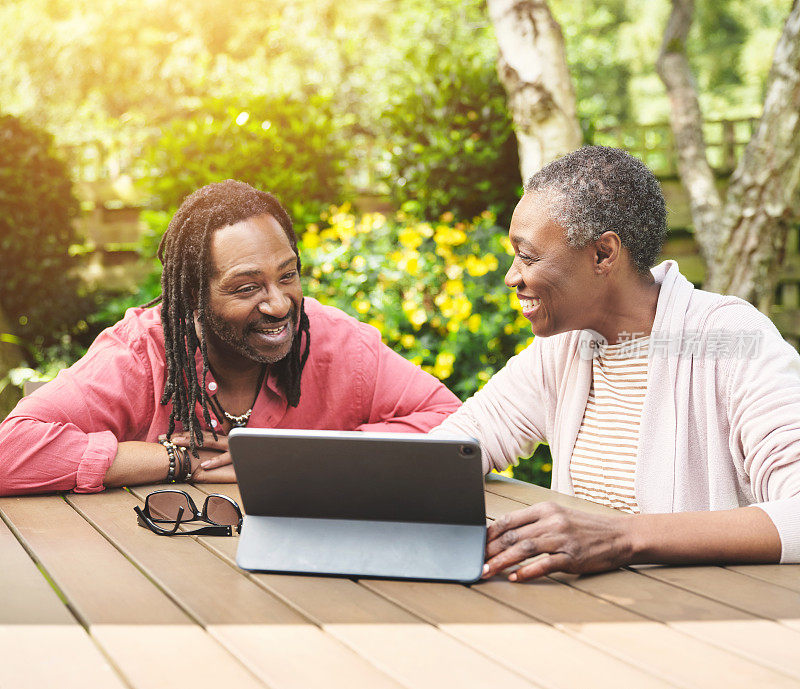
<point x="64" y="436"/>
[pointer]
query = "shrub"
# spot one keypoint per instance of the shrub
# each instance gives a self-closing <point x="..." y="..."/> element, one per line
<point x="452" y="143"/>
<point x="40" y="293"/>
<point x="435" y="292"/>
<point x="280" y="144"/>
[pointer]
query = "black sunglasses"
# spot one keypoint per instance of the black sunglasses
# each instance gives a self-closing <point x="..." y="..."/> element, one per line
<point x="176" y="507"/>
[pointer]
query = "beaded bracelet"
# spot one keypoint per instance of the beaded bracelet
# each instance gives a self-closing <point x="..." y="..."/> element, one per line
<point x="171" y="453"/>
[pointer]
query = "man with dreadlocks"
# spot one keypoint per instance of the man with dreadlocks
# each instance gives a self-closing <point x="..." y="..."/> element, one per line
<point x="233" y="342"/>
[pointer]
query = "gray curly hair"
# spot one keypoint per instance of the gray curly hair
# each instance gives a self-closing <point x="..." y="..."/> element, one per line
<point x="596" y="189"/>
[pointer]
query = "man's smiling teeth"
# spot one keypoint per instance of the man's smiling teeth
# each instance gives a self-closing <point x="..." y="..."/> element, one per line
<point x="528" y="304"/>
<point x="273" y="331"/>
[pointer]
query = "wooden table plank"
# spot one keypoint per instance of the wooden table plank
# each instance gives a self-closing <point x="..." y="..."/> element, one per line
<point x="533" y="648"/>
<point x="134" y="627"/>
<point x="787" y="576"/>
<point x="753" y="595"/>
<point x="529" y="494"/>
<point x="760" y="640"/>
<point x="41" y="643"/>
<point x="685" y="660"/>
<point x="403" y="645"/>
<point x="275" y="642"/>
<point x="652" y="646"/>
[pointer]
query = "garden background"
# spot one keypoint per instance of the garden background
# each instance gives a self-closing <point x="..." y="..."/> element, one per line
<point x="381" y="125"/>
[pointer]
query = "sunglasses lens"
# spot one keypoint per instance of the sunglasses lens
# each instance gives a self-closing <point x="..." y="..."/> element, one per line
<point x="166" y="505"/>
<point x="221" y="511"/>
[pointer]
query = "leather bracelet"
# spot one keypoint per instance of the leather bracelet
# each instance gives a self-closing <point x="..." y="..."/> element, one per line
<point x="171" y="450"/>
<point x="185" y="472"/>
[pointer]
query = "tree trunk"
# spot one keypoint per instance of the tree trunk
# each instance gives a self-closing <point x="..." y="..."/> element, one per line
<point x="743" y="240"/>
<point x="532" y="66"/>
<point x="763" y="193"/>
<point x="687" y="128"/>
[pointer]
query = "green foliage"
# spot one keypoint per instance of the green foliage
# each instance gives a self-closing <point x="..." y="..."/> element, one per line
<point x="281" y="144"/>
<point x="40" y="293"/>
<point x="450" y="138"/>
<point x="435" y="292"/>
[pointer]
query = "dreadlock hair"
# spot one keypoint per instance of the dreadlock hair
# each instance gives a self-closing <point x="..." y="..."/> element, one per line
<point x="184" y="252"/>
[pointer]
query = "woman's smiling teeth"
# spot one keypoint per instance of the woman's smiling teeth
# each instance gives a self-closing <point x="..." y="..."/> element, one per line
<point x="529" y="304"/>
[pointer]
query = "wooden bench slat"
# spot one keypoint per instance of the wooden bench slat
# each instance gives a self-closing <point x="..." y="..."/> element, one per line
<point x="272" y="640"/>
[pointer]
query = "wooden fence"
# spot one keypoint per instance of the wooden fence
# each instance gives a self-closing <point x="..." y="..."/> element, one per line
<point x="96" y="165"/>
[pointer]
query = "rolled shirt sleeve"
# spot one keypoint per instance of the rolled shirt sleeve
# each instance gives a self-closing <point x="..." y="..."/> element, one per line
<point x="65" y="435"/>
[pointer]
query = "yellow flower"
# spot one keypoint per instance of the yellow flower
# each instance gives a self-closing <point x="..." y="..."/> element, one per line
<point x="474" y="322"/>
<point x="375" y="323"/>
<point x="408" y="341"/>
<point x="454" y="271"/>
<point x="452" y="326"/>
<point x="443" y="366"/>
<point x="362" y="306"/>
<point x="449" y="236"/>
<point x="454" y="286"/>
<point x="447" y="217"/>
<point x="316" y="272"/>
<point x="312" y="227"/>
<point x="484" y="376"/>
<point x="327" y="267"/>
<point x="416" y="360"/>
<point x="508" y="328"/>
<point x="310" y="240"/>
<point x="462" y="307"/>
<point x="506" y="244"/>
<point x="409" y="238"/>
<point x="358" y="263"/>
<point x="522" y="345"/>
<point x="418" y="318"/>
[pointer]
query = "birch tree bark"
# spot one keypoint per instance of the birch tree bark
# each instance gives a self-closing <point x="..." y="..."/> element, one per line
<point x="532" y="67"/>
<point x="743" y="238"/>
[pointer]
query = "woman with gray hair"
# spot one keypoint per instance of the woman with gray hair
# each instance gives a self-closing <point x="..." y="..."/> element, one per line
<point x="678" y="407"/>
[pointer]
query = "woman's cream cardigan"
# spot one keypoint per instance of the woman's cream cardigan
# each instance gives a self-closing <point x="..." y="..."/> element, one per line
<point x="720" y="426"/>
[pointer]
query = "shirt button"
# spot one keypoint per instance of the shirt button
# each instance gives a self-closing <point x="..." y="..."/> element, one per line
<point x="212" y="386"/>
<point x="214" y="423"/>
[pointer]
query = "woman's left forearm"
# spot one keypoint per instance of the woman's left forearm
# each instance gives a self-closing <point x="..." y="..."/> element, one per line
<point x="740" y="535"/>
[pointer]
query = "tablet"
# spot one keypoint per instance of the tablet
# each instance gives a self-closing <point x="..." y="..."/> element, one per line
<point x="345" y="503"/>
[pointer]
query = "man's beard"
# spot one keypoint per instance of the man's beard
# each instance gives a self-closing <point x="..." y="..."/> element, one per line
<point x="227" y="334"/>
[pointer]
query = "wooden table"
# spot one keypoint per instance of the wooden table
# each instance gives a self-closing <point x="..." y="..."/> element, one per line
<point x="89" y="599"/>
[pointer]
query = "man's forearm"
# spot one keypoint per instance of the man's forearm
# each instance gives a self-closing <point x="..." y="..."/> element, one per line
<point x="745" y="534"/>
<point x="137" y="463"/>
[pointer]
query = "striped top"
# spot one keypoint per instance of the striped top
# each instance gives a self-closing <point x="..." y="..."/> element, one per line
<point x="603" y="464"/>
